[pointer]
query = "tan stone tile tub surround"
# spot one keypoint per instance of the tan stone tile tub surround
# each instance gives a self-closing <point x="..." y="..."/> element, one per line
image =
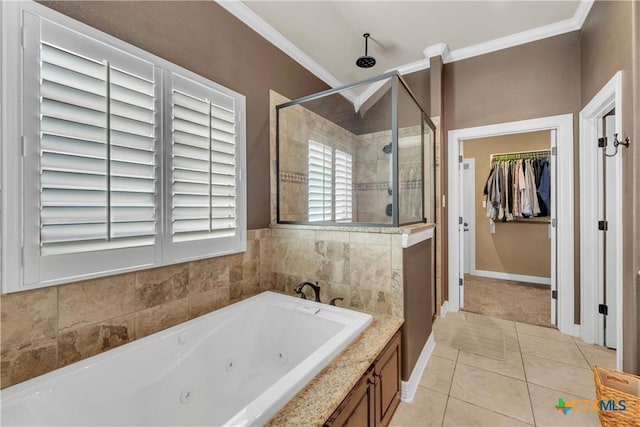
<point x="236" y="366"/>
<point x="48" y="328"/>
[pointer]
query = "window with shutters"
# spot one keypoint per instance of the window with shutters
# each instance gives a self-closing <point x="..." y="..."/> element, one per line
<point x="203" y="213"/>
<point x="343" y="187"/>
<point x="330" y="184"/>
<point x="320" y="182"/>
<point x="127" y="161"/>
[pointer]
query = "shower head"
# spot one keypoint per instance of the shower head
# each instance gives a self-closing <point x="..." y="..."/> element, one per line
<point x="387" y="148"/>
<point x="366" y="61"/>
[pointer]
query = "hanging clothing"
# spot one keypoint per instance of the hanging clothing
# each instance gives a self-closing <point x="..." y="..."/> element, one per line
<point x="544" y="188"/>
<point x="517" y="189"/>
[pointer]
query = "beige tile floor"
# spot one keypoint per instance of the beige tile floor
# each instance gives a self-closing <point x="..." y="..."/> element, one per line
<point x="463" y="389"/>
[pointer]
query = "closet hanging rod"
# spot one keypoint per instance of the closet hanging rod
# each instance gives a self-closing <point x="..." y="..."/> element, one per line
<point x="515" y="155"/>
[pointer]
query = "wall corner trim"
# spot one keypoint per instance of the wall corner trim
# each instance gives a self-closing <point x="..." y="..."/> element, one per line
<point x="438" y="49"/>
<point x="408" y="388"/>
<point x="410" y="239"/>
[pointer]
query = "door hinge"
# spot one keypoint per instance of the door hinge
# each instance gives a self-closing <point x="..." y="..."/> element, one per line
<point x="459" y="220"/>
<point x="603" y="225"/>
<point x="553" y="222"/>
<point x="461" y="282"/>
<point x="459" y="159"/>
<point x="602" y="142"/>
<point x="603" y="309"/>
<point x="554" y="294"/>
<point x="554" y="151"/>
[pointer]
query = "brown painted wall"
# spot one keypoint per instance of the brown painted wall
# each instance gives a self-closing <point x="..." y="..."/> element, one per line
<point x="606" y="45"/>
<point x="204" y="38"/>
<point x="516" y="247"/>
<point x="418" y="280"/>
<point x="532" y="80"/>
<point x="635" y="349"/>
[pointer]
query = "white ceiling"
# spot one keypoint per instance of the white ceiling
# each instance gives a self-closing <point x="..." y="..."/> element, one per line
<point x="330" y="32"/>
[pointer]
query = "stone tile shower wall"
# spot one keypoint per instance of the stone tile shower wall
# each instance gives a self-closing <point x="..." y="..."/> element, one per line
<point x="48" y="328"/>
<point x="372" y="178"/>
<point x="364" y="268"/>
<point x="298" y="126"/>
<point x="372" y="181"/>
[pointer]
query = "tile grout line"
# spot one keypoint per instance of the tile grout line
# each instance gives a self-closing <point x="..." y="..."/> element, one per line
<point x="455" y="365"/>
<point x="526" y="381"/>
<point x="497" y="373"/>
<point x="584" y="356"/>
<point x="564" y="363"/>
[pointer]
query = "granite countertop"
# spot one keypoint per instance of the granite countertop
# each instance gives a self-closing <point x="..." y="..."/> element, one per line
<point x="315" y="403"/>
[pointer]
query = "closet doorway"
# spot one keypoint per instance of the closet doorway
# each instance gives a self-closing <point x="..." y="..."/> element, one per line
<point x="560" y="130"/>
<point x="507" y="226"/>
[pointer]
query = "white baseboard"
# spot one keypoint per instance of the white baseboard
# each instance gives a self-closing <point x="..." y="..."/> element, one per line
<point x="408" y="388"/>
<point x="516" y="277"/>
<point x="444" y="308"/>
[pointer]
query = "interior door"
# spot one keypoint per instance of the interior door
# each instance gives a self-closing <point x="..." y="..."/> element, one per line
<point x="553" y="227"/>
<point x="461" y="233"/>
<point x="611" y="257"/>
<point x="468" y="215"/>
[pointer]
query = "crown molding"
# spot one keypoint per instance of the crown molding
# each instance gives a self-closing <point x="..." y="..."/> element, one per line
<point x="561" y="27"/>
<point x="412" y="67"/>
<point x="439" y="49"/>
<point x="572" y="24"/>
<point x="260" y="26"/>
<point x="582" y="12"/>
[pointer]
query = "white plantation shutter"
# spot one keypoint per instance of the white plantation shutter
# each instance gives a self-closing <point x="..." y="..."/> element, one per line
<point x="343" y="186"/>
<point x="204" y="167"/>
<point x="125" y="161"/>
<point x="73" y="151"/>
<point x="90" y="152"/>
<point x="320" y="185"/>
<point x="97" y="153"/>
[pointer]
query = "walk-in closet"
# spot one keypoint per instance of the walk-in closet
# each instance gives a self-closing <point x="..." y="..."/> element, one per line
<point x="507" y="211"/>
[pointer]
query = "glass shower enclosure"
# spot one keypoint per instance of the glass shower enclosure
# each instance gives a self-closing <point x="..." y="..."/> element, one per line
<point x="368" y="162"/>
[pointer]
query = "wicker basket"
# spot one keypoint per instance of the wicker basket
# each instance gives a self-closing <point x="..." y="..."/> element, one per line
<point x="616" y="386"/>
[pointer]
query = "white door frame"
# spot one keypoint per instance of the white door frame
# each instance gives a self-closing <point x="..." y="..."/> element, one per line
<point x="563" y="124"/>
<point x="471" y="220"/>
<point x="609" y="97"/>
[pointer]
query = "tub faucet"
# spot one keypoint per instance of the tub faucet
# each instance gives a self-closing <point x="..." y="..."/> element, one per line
<point x="316" y="290"/>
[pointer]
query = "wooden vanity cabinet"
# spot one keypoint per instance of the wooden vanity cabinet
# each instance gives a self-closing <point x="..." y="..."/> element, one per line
<point x="374" y="399"/>
<point x="357" y="409"/>
<point x="387" y="381"/>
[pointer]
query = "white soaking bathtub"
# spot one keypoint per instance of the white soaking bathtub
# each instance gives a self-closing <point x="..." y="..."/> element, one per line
<point x="235" y="366"/>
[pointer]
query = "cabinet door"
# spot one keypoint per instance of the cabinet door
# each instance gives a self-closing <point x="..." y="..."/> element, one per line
<point x="387" y="379"/>
<point x="357" y="409"/>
